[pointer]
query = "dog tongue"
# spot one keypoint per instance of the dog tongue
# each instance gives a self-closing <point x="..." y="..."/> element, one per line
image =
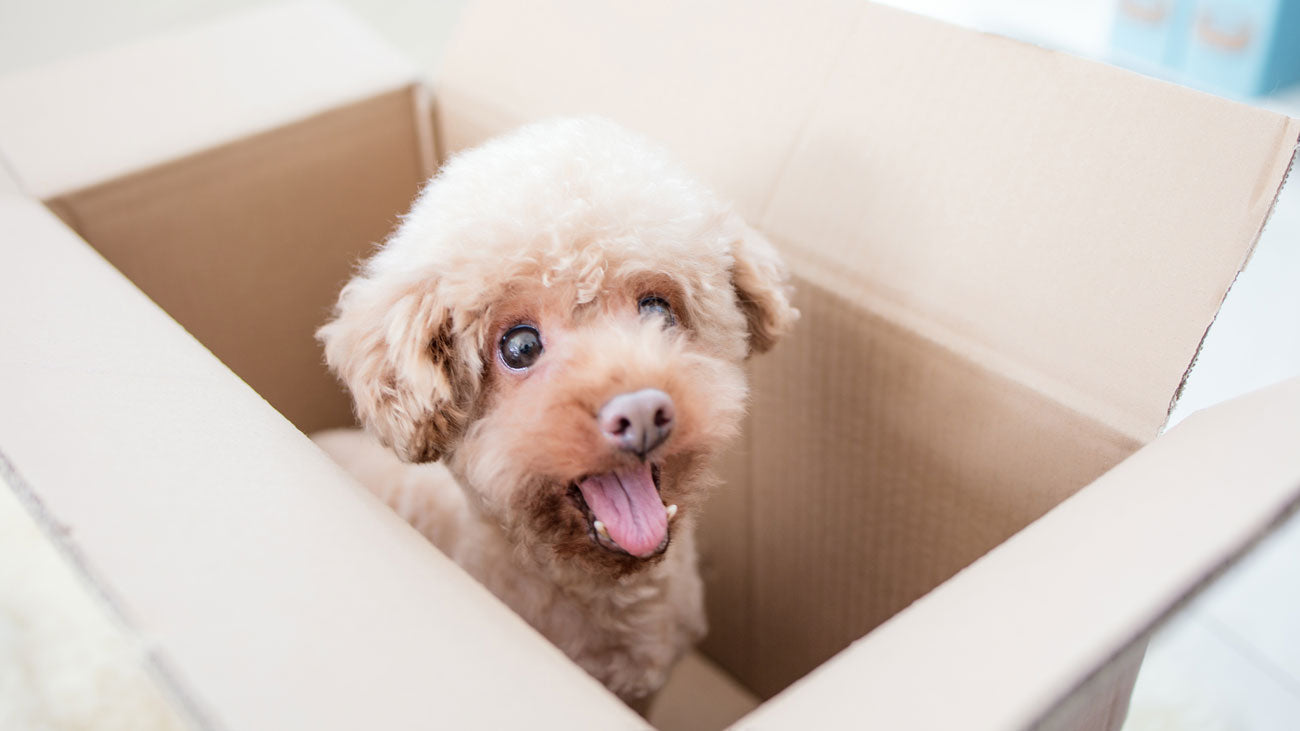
<point x="628" y="504"/>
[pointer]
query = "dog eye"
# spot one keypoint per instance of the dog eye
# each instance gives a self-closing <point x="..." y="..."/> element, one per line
<point x="521" y="346"/>
<point x="657" y="306"/>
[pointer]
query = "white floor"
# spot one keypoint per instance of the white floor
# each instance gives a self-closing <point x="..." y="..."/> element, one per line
<point x="1231" y="659"/>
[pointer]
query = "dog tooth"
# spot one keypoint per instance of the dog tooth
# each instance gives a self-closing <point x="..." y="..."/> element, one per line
<point x="601" y="529"/>
<point x="672" y="510"/>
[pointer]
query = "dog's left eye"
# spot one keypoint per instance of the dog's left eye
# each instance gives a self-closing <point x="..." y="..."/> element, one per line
<point x="657" y="306"/>
<point x="521" y="346"/>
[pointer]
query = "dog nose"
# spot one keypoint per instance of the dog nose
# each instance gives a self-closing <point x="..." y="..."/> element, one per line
<point x="637" y="422"/>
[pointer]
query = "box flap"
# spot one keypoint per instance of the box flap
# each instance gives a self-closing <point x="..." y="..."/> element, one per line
<point x="247" y="245"/>
<point x="1020" y="629"/>
<point x="1068" y="224"/>
<point x="254" y="160"/>
<point x="277" y="592"/>
<point x="86" y="120"/>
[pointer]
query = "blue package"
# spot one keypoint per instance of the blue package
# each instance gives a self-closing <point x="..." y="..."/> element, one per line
<point x="1151" y="35"/>
<point x="1232" y="47"/>
<point x="1244" y="47"/>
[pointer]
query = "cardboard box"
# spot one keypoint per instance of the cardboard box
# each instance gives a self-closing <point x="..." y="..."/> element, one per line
<point x="1006" y="259"/>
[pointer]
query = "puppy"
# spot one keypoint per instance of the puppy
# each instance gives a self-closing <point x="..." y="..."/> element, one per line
<point x="560" y="322"/>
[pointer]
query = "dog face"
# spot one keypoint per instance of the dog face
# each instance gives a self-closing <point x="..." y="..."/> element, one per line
<point x="563" y="318"/>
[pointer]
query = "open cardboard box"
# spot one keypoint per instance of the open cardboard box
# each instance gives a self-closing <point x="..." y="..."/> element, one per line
<point x="1006" y="259"/>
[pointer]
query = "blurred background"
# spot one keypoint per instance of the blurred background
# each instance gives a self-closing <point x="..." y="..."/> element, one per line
<point x="1230" y="659"/>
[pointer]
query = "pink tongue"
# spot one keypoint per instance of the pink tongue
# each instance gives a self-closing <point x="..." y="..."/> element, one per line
<point x="628" y="504"/>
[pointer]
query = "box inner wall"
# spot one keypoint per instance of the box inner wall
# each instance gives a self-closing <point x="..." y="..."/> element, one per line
<point x="248" y="244"/>
<point x="875" y="463"/>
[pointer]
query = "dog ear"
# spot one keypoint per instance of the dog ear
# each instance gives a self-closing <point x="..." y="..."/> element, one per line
<point x="762" y="287"/>
<point x="412" y="376"/>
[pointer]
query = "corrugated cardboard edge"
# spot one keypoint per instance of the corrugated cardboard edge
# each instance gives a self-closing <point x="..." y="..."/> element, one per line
<point x="1291" y="135"/>
<point x="1153" y="531"/>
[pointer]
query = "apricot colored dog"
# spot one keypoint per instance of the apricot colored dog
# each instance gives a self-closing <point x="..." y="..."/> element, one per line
<point x="560" y="325"/>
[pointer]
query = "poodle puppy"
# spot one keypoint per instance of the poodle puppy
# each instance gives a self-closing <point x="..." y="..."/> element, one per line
<point x="560" y="323"/>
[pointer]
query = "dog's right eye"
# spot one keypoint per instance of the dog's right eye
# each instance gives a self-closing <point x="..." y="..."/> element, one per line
<point x="653" y="304"/>
<point x="521" y="346"/>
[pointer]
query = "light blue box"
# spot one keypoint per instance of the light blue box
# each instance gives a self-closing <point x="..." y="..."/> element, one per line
<point x="1151" y="35"/>
<point x="1244" y="47"/>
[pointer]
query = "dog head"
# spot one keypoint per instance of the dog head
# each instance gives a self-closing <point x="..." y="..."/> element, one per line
<point x="562" y="318"/>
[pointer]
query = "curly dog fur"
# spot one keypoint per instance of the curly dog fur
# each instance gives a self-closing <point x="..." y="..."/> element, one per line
<point x="632" y="278"/>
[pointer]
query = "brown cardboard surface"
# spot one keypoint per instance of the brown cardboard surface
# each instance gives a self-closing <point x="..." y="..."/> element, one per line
<point x="278" y="592"/>
<point x="186" y="174"/>
<point x="248" y="244"/>
<point x="723" y="541"/>
<point x="1067" y="223"/>
<point x="880" y="478"/>
<point x="727" y="86"/>
<point x="909" y="425"/>
<point x="1007" y="258"/>
<point x="699" y="696"/>
<point x="1024" y="626"/>
<point x="236" y="189"/>
<point x="86" y="120"/>
<point x="969" y="184"/>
